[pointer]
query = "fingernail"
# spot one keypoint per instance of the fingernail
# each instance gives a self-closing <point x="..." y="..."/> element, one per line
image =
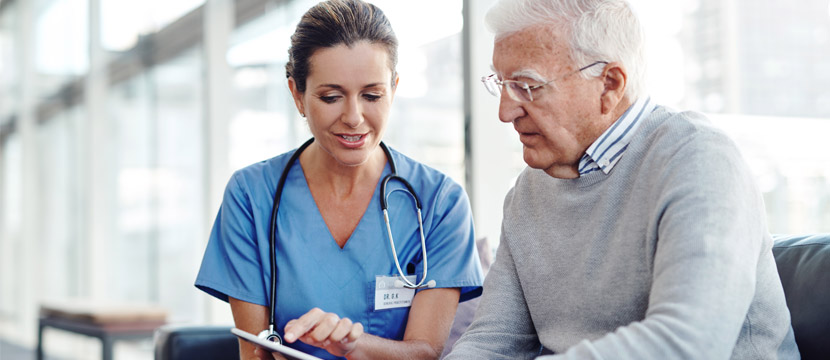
<point x="290" y="337"/>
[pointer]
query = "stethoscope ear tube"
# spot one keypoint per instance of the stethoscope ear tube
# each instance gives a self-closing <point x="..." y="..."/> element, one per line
<point x="273" y="239"/>
<point x="383" y="205"/>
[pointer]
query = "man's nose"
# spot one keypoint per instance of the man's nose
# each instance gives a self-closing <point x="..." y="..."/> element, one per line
<point x="509" y="109"/>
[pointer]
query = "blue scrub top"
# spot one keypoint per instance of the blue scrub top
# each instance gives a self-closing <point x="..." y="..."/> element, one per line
<point x="312" y="270"/>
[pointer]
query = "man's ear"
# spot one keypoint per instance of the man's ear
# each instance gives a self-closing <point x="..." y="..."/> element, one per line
<point x="615" y="79"/>
<point x="297" y="95"/>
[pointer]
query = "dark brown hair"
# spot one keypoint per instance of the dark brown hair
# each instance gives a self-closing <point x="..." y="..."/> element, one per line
<point x="334" y="22"/>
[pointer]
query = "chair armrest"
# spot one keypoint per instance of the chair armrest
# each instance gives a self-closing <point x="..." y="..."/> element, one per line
<point x="174" y="342"/>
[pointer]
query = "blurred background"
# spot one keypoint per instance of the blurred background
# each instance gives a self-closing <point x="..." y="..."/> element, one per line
<point x="121" y="122"/>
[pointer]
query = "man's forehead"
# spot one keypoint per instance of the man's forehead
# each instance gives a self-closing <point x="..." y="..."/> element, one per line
<point x="530" y="52"/>
<point x="530" y="38"/>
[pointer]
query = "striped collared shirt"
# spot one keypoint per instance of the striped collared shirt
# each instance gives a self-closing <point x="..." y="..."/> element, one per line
<point x="604" y="153"/>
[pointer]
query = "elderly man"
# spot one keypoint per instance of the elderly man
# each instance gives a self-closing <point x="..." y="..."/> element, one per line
<point x="636" y="232"/>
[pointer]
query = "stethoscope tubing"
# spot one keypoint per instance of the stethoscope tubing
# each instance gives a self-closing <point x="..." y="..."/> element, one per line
<point x="383" y="204"/>
<point x="273" y="232"/>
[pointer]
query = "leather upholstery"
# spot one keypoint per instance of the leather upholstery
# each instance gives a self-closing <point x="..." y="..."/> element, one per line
<point x="174" y="342"/>
<point x="804" y="268"/>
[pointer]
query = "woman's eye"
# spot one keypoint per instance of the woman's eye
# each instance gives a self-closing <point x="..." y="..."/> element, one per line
<point x="328" y="99"/>
<point x="372" y="97"/>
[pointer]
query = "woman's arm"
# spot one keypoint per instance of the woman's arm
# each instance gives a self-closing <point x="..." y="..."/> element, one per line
<point x="427" y="329"/>
<point x="428" y="326"/>
<point x="252" y="318"/>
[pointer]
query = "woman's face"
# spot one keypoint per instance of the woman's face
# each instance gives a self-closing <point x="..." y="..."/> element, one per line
<point x="347" y="100"/>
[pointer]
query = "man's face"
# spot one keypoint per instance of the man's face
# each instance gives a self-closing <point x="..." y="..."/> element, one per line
<point x="564" y="117"/>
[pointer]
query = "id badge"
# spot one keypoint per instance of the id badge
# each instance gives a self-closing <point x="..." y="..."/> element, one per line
<point x="387" y="296"/>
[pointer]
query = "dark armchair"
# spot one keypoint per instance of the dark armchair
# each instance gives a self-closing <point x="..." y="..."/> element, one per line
<point x="175" y="342"/>
<point x="804" y="267"/>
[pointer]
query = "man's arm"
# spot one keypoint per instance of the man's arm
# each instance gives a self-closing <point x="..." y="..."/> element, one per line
<point x="502" y="328"/>
<point x="710" y="244"/>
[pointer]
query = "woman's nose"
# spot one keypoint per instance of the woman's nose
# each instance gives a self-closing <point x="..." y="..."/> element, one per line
<point x="353" y="115"/>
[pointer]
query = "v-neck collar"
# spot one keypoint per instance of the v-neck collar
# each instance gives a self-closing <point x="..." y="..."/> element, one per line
<point x="363" y="243"/>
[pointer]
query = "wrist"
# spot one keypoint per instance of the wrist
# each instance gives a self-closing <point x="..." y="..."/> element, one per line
<point x="357" y="348"/>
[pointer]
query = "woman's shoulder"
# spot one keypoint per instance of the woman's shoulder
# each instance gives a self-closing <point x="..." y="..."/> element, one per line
<point x="265" y="172"/>
<point x="414" y="170"/>
<point x="432" y="185"/>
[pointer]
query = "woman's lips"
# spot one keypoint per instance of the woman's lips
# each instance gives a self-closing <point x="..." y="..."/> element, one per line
<point x="351" y="141"/>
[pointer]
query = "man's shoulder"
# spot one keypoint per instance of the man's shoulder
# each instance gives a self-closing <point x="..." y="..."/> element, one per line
<point x="687" y="146"/>
<point x="674" y="133"/>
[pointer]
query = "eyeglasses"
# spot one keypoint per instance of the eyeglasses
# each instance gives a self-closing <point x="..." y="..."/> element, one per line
<point x="519" y="90"/>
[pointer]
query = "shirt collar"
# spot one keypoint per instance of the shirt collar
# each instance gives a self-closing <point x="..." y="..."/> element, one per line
<point x="607" y="150"/>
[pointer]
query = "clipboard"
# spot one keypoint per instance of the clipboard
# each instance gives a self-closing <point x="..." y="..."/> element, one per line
<point x="290" y="353"/>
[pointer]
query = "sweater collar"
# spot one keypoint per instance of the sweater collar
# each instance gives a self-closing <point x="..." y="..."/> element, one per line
<point x="609" y="147"/>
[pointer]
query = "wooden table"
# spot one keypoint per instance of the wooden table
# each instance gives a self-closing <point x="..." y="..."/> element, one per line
<point x="107" y="322"/>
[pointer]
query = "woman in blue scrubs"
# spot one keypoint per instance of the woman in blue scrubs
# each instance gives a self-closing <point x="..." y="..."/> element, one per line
<point x="335" y="293"/>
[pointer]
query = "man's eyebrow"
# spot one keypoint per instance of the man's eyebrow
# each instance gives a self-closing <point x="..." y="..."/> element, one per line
<point x="529" y="74"/>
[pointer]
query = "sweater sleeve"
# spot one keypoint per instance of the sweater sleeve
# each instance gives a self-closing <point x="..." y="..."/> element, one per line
<point x="502" y="328"/>
<point x="710" y="236"/>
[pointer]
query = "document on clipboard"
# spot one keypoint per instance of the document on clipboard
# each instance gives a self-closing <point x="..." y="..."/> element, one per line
<point x="292" y="354"/>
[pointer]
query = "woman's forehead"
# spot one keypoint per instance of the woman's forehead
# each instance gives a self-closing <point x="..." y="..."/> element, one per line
<point x="362" y="63"/>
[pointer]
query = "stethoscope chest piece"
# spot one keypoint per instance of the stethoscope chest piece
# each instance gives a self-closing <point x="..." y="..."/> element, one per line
<point x="270" y="335"/>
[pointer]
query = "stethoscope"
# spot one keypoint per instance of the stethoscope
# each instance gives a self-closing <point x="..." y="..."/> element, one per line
<point x="270" y="333"/>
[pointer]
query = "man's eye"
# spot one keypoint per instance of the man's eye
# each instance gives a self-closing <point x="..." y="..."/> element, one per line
<point x="520" y="86"/>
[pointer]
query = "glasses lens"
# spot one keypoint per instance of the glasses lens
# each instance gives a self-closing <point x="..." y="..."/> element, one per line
<point x="491" y="85"/>
<point x="518" y="91"/>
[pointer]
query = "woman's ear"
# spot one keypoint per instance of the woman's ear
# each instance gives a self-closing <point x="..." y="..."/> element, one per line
<point x="297" y="95"/>
<point x="395" y="85"/>
<point x="615" y="79"/>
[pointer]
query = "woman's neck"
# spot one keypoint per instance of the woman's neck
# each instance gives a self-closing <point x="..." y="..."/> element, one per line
<point x="325" y="173"/>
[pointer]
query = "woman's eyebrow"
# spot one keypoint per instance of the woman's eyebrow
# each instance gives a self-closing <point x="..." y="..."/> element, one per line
<point x="340" y="87"/>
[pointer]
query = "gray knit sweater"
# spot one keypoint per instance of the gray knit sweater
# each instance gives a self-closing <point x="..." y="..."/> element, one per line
<point x="666" y="257"/>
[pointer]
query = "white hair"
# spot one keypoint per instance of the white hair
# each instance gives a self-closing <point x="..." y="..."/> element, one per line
<point x="598" y="30"/>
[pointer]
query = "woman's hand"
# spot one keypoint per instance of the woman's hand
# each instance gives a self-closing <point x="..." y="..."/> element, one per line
<point x="263" y="354"/>
<point x="325" y="330"/>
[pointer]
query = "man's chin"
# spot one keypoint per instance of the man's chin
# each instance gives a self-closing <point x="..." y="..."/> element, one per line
<point x="531" y="159"/>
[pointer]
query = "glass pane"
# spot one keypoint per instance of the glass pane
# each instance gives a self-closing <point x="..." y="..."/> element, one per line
<point x="160" y="179"/>
<point x="11" y="169"/>
<point x="179" y="184"/>
<point x="9" y="73"/>
<point x="760" y="68"/>
<point x="123" y="22"/>
<point x="59" y="184"/>
<point x="131" y="251"/>
<point x="61" y="43"/>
